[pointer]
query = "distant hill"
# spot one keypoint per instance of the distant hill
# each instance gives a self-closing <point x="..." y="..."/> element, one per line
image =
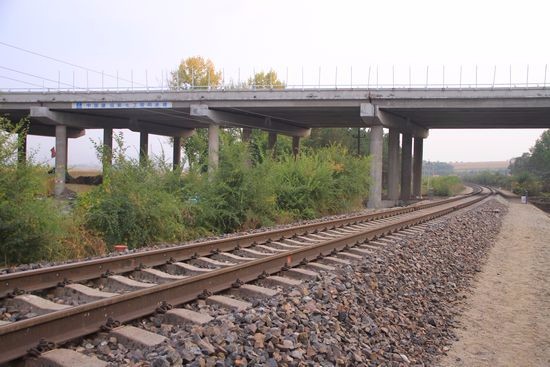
<point x="480" y="166"/>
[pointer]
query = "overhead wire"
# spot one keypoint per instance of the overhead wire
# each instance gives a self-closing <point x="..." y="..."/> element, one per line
<point x="67" y="63"/>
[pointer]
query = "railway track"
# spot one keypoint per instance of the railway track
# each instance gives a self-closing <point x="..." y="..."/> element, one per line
<point x="127" y="287"/>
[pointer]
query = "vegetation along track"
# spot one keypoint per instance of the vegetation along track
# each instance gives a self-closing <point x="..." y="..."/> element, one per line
<point x="186" y="273"/>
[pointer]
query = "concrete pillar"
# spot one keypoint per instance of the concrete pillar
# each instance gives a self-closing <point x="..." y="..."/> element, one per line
<point x="417" y="167"/>
<point x="247" y="134"/>
<point x="271" y="140"/>
<point x="22" y="147"/>
<point x="295" y="146"/>
<point x="393" y="165"/>
<point x="176" y="154"/>
<point x="60" y="159"/>
<point x="376" y="148"/>
<point x="107" y="147"/>
<point x="406" y="153"/>
<point x="143" y="146"/>
<point x="213" y="147"/>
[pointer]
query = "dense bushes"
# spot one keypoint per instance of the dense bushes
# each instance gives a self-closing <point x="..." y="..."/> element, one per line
<point x="138" y="204"/>
<point x="31" y="224"/>
<point x="442" y="185"/>
<point x="520" y="183"/>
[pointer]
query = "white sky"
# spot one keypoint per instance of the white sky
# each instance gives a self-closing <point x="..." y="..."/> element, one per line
<point x="256" y="35"/>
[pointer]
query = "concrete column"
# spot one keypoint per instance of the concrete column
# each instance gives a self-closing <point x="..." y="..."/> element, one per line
<point x="271" y="141"/>
<point x="247" y="134"/>
<point x="22" y="148"/>
<point x="143" y="146"/>
<point x="393" y="165"/>
<point x="417" y="167"/>
<point x="60" y="159"/>
<point x="376" y="148"/>
<point x="213" y="147"/>
<point x="176" y="155"/>
<point x="107" y="147"/>
<point x="295" y="146"/>
<point x="406" y="152"/>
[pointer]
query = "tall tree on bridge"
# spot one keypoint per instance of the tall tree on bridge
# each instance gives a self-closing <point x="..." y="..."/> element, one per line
<point x="195" y="71"/>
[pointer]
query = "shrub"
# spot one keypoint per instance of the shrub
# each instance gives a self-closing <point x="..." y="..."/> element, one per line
<point x="442" y="185"/>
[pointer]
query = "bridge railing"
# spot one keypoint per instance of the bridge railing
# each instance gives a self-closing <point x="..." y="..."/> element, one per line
<point x="368" y="78"/>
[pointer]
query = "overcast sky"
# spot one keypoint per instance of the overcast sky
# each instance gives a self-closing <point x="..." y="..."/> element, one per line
<point x="153" y="36"/>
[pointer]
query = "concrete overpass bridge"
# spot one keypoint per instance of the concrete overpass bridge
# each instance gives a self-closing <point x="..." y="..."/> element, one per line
<point x="407" y="113"/>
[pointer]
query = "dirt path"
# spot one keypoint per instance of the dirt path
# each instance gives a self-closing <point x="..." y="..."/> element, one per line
<point x="507" y="317"/>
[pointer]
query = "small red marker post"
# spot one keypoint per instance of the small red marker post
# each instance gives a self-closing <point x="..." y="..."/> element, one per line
<point x="121" y="247"/>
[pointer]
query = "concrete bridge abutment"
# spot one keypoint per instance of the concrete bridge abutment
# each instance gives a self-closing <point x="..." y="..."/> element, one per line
<point x="376" y="149"/>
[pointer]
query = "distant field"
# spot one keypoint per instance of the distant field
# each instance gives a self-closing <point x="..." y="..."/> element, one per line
<point x="80" y="172"/>
<point x="479" y="166"/>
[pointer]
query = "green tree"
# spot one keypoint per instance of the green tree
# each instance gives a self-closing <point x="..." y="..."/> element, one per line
<point x="266" y="80"/>
<point x="540" y="159"/>
<point x="195" y="71"/>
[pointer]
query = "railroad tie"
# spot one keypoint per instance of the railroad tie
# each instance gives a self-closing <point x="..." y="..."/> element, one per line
<point x="349" y="256"/>
<point x="186" y="269"/>
<point x="26" y="303"/>
<point x="65" y="358"/>
<point x="253" y="253"/>
<point x="155" y="276"/>
<point x="82" y="293"/>
<point x="271" y="249"/>
<point x="254" y="291"/>
<point x="301" y="274"/>
<point x="334" y="261"/>
<point x="206" y="261"/>
<point x="315" y="266"/>
<point x="134" y="337"/>
<point x="177" y="316"/>
<point x="277" y="281"/>
<point x="226" y="256"/>
<point x="116" y="283"/>
<point x="284" y="245"/>
<point x="360" y="251"/>
<point x="229" y="303"/>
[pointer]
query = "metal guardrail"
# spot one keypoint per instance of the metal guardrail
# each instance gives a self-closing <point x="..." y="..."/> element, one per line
<point x="372" y="80"/>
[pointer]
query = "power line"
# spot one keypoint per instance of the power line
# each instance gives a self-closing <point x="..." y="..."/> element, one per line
<point x="67" y="63"/>
<point x="20" y="81"/>
<point x="35" y="76"/>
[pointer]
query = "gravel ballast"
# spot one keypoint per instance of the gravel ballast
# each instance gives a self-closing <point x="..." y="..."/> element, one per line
<point x="396" y="307"/>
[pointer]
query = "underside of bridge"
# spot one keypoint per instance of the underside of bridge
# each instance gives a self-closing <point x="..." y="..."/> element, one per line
<point x="408" y="114"/>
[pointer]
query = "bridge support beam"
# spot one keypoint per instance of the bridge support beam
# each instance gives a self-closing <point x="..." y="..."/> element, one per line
<point x="376" y="148"/>
<point x="143" y="147"/>
<point x="246" y="134"/>
<point x="107" y="147"/>
<point x="213" y="147"/>
<point x="417" y="167"/>
<point x="295" y="146"/>
<point x="393" y="165"/>
<point x="406" y="153"/>
<point x="60" y="159"/>
<point x="176" y="154"/>
<point x="271" y="142"/>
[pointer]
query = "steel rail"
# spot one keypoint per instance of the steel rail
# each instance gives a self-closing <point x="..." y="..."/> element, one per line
<point x="61" y="326"/>
<point x="32" y="280"/>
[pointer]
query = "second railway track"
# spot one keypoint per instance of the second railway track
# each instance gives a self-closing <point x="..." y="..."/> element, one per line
<point x="187" y="272"/>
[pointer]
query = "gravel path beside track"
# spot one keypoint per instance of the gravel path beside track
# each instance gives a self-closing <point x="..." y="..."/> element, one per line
<point x="507" y="317"/>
